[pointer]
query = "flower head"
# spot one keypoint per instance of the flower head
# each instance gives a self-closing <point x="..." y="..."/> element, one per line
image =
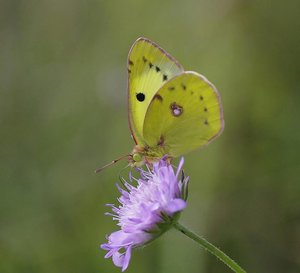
<point x="146" y="210"/>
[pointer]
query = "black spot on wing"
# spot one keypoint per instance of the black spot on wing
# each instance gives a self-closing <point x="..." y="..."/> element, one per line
<point x="150" y="65"/>
<point x="206" y="122"/>
<point x="183" y="86"/>
<point x="165" y="77"/>
<point x="144" y="59"/>
<point x="171" y="88"/>
<point x="130" y="63"/>
<point x="157" y="97"/>
<point x="129" y="71"/>
<point x="157" y="68"/>
<point x="205" y="109"/>
<point x="201" y="97"/>
<point x="140" y="96"/>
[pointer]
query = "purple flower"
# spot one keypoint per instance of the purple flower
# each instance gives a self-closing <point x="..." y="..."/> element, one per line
<point x="146" y="210"/>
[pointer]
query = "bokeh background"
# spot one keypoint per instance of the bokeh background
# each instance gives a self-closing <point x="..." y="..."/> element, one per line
<point x="63" y="112"/>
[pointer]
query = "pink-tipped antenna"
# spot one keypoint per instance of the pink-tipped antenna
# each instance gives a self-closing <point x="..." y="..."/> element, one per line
<point x="111" y="163"/>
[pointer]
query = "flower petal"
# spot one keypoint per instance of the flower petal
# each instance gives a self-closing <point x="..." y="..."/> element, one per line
<point x="179" y="166"/>
<point x="175" y="206"/>
<point x="118" y="259"/>
<point x="127" y="258"/>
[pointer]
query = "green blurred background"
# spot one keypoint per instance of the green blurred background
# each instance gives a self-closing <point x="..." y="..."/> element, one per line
<point x="63" y="112"/>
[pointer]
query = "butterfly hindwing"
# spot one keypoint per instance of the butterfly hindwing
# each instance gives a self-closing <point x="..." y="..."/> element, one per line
<point x="149" y="67"/>
<point x="184" y="114"/>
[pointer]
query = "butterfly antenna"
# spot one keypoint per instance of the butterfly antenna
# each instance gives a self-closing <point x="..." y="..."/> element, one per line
<point x="111" y="163"/>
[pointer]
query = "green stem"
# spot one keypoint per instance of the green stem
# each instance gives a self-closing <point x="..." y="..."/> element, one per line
<point x="211" y="248"/>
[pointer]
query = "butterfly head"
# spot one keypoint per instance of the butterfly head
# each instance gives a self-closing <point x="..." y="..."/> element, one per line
<point x="137" y="160"/>
<point x="137" y="157"/>
<point x="146" y="155"/>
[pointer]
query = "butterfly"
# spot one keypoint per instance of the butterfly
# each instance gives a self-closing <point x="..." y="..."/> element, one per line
<point x="170" y="111"/>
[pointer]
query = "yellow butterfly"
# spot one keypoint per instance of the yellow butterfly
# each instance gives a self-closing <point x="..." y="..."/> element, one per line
<point x="171" y="111"/>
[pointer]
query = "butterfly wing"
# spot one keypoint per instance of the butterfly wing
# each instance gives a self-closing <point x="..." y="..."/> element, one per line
<point x="186" y="113"/>
<point x="149" y="67"/>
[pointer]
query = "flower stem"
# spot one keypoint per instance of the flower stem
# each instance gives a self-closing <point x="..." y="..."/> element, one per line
<point x="211" y="248"/>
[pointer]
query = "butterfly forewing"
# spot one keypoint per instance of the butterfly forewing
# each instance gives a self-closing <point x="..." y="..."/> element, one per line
<point x="149" y="67"/>
<point x="184" y="114"/>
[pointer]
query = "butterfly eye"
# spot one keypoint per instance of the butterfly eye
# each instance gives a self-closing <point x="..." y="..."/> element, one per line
<point x="137" y="157"/>
<point x="140" y="97"/>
